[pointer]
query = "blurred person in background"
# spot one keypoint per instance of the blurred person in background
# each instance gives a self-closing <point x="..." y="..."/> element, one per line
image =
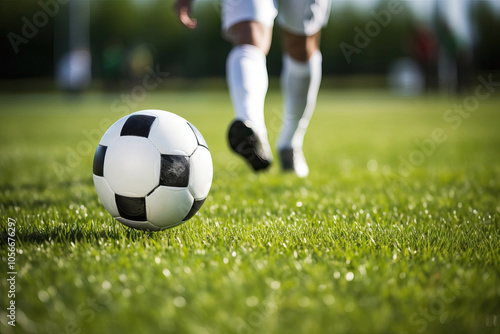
<point x="454" y="28"/>
<point x="74" y="70"/>
<point x="113" y="64"/>
<point x="140" y="60"/>
<point x="424" y="48"/>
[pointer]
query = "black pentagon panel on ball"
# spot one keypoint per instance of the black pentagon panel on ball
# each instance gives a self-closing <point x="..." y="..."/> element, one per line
<point x="132" y="208"/>
<point x="194" y="208"/>
<point x="138" y="125"/>
<point x="174" y="170"/>
<point x="98" y="166"/>
<point x="199" y="137"/>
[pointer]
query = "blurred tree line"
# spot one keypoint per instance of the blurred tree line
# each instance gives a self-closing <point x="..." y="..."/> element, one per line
<point x="117" y="27"/>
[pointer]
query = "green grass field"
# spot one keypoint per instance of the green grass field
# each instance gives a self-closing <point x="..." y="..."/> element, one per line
<point x="396" y="230"/>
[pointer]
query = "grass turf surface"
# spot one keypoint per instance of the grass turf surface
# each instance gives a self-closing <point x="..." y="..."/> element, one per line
<point x="367" y="243"/>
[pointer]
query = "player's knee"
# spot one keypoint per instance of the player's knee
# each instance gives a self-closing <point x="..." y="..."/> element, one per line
<point x="299" y="47"/>
<point x="253" y="33"/>
<point x="299" y="54"/>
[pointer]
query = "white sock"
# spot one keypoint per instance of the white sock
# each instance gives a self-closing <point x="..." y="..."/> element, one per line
<point x="300" y="83"/>
<point x="248" y="81"/>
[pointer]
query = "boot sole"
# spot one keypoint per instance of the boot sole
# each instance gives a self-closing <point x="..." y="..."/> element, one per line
<point x="243" y="141"/>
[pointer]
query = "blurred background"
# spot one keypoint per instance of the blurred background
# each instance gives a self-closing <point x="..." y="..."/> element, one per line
<point x="76" y="45"/>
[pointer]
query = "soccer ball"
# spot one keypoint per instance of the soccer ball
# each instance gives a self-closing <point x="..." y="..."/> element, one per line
<point x="152" y="170"/>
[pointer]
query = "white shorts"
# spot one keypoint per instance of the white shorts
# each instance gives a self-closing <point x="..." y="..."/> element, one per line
<point x="302" y="17"/>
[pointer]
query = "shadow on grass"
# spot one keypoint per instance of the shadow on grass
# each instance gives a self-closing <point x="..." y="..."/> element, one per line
<point x="65" y="235"/>
<point x="43" y="185"/>
<point x="40" y="195"/>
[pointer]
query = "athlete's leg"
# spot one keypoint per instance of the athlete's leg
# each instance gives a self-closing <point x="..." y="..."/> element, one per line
<point x="300" y="81"/>
<point x="250" y="31"/>
<point x="301" y="74"/>
<point x="247" y="72"/>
